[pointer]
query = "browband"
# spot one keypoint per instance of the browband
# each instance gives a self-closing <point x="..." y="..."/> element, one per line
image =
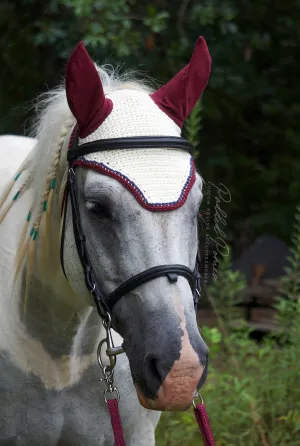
<point x="136" y="142"/>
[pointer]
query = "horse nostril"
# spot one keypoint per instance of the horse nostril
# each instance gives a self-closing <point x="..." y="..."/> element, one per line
<point x="153" y="368"/>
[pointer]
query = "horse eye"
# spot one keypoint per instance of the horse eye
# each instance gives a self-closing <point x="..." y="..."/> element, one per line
<point x="98" y="209"/>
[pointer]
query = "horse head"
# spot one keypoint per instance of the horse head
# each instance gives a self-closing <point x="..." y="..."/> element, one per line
<point x="138" y="211"/>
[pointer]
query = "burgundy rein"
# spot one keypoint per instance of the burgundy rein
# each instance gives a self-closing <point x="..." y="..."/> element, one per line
<point x="116" y="422"/>
<point x="199" y="411"/>
<point x="204" y="424"/>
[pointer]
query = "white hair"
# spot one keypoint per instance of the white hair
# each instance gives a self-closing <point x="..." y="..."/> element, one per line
<point x="53" y="123"/>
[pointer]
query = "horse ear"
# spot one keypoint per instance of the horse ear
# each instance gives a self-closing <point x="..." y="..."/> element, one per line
<point x="85" y="93"/>
<point x="178" y="97"/>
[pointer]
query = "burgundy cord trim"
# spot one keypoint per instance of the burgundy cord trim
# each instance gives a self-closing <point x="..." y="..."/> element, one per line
<point x="134" y="190"/>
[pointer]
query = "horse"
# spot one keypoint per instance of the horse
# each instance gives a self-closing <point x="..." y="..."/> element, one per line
<point x="131" y="216"/>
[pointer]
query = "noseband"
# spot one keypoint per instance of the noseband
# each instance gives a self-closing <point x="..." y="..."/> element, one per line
<point x="105" y="304"/>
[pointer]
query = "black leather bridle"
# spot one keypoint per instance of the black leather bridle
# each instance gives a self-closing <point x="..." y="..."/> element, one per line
<point x="104" y="303"/>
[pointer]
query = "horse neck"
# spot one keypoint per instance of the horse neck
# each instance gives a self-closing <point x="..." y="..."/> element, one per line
<point x="51" y="311"/>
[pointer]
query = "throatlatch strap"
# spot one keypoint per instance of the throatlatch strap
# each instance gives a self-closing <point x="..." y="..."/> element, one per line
<point x="116" y="422"/>
<point x="204" y="425"/>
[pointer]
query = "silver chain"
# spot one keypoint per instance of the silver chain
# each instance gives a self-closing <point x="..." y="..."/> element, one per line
<point x="111" y="352"/>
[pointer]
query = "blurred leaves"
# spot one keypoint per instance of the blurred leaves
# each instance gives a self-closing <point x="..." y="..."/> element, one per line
<point x="193" y="126"/>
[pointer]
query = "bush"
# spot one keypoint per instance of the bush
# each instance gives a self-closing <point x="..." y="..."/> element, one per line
<point x="252" y="393"/>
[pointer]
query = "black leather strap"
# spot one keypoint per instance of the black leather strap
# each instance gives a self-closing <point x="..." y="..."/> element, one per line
<point x="197" y="279"/>
<point x="82" y="249"/>
<point x="137" y="142"/>
<point x="63" y="231"/>
<point x="170" y="271"/>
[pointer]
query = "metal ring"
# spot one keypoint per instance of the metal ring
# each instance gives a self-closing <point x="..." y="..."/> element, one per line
<point x="112" y="358"/>
<point x="108" y="372"/>
<point x="99" y="359"/>
<point x="197" y="395"/>
<point x="114" y="389"/>
<point x="107" y="323"/>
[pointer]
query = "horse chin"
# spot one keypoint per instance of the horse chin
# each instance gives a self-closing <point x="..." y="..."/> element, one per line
<point x="175" y="394"/>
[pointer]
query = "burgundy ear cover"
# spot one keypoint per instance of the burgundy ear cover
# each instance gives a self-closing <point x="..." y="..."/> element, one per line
<point x="178" y="97"/>
<point x="85" y="93"/>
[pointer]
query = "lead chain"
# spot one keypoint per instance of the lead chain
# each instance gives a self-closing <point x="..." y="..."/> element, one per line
<point x="107" y="370"/>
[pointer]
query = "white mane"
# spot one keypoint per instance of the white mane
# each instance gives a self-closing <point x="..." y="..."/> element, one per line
<point x="39" y="170"/>
<point x="55" y="121"/>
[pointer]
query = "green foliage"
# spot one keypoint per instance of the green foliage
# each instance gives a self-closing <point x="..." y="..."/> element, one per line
<point x="291" y="282"/>
<point x="289" y="306"/>
<point x="225" y="291"/>
<point x="193" y="126"/>
<point x="252" y="393"/>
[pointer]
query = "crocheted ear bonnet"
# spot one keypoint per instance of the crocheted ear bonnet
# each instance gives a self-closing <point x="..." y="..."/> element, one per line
<point x="159" y="178"/>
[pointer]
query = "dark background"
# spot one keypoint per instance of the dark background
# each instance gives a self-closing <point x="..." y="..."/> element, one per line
<point x="249" y="134"/>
